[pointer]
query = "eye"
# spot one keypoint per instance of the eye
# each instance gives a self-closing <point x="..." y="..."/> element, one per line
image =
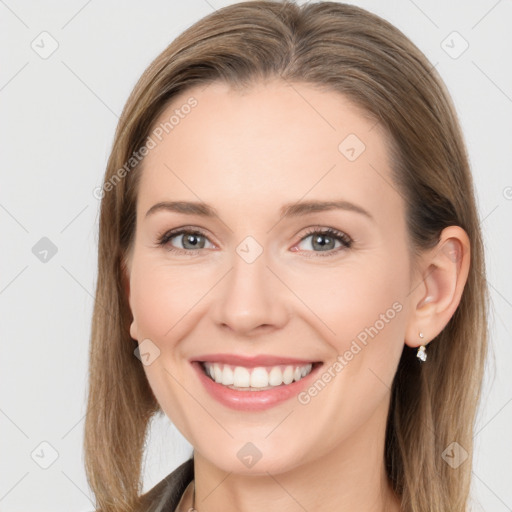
<point x="324" y="240"/>
<point x="188" y="240"/>
<point x="328" y="241"/>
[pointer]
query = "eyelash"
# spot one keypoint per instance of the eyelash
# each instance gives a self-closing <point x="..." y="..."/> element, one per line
<point x="345" y="240"/>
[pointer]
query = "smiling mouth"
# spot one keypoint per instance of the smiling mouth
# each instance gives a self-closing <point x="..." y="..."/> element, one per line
<point x="257" y="378"/>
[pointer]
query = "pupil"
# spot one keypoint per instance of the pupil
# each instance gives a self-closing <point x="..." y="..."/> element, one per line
<point x="192" y="240"/>
<point x="326" y="245"/>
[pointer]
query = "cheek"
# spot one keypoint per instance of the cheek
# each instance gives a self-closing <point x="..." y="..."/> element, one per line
<point x="163" y="296"/>
<point x="350" y="298"/>
<point x="154" y="296"/>
<point x="361" y="307"/>
<point x="364" y="309"/>
<point x="164" y="301"/>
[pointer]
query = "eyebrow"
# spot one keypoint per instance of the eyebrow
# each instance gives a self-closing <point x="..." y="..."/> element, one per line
<point x="287" y="210"/>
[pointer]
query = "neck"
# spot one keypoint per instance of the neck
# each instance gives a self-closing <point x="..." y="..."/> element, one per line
<point x="351" y="477"/>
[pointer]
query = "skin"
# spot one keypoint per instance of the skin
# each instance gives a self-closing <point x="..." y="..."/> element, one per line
<point x="247" y="153"/>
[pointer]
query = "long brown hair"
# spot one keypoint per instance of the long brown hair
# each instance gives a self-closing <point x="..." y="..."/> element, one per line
<point x="348" y="50"/>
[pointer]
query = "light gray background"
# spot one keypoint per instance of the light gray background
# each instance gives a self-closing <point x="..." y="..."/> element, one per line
<point x="57" y="118"/>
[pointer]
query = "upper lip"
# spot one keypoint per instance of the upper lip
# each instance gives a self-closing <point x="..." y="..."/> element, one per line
<point x="251" y="361"/>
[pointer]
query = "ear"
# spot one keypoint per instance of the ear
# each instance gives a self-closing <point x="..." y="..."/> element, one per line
<point x="443" y="272"/>
<point x="125" y="281"/>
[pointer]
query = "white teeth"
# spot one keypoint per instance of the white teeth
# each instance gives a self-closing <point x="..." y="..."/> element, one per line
<point x="217" y="373"/>
<point x="288" y="375"/>
<point x="241" y="377"/>
<point x="259" y="377"/>
<point x="275" y="377"/>
<point x="227" y="376"/>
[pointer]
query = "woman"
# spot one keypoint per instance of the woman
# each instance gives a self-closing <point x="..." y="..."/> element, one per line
<point x="291" y="269"/>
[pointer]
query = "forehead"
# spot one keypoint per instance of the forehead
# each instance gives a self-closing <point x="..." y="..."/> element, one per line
<point x="274" y="141"/>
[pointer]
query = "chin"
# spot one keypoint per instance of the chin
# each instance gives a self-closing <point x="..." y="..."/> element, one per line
<point x="256" y="458"/>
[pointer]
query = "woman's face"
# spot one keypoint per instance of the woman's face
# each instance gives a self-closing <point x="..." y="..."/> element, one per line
<point x="248" y="182"/>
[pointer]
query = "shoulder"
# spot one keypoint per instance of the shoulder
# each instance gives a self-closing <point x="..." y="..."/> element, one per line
<point x="166" y="494"/>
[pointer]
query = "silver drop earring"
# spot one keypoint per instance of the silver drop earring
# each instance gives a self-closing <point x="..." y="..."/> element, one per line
<point x="422" y="352"/>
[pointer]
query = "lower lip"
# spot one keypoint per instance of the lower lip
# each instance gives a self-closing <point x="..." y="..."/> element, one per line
<point x="253" y="400"/>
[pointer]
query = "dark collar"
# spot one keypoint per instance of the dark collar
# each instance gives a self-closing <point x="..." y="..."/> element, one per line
<point x="166" y="494"/>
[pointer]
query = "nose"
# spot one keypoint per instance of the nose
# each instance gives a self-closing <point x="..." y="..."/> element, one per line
<point x="250" y="299"/>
